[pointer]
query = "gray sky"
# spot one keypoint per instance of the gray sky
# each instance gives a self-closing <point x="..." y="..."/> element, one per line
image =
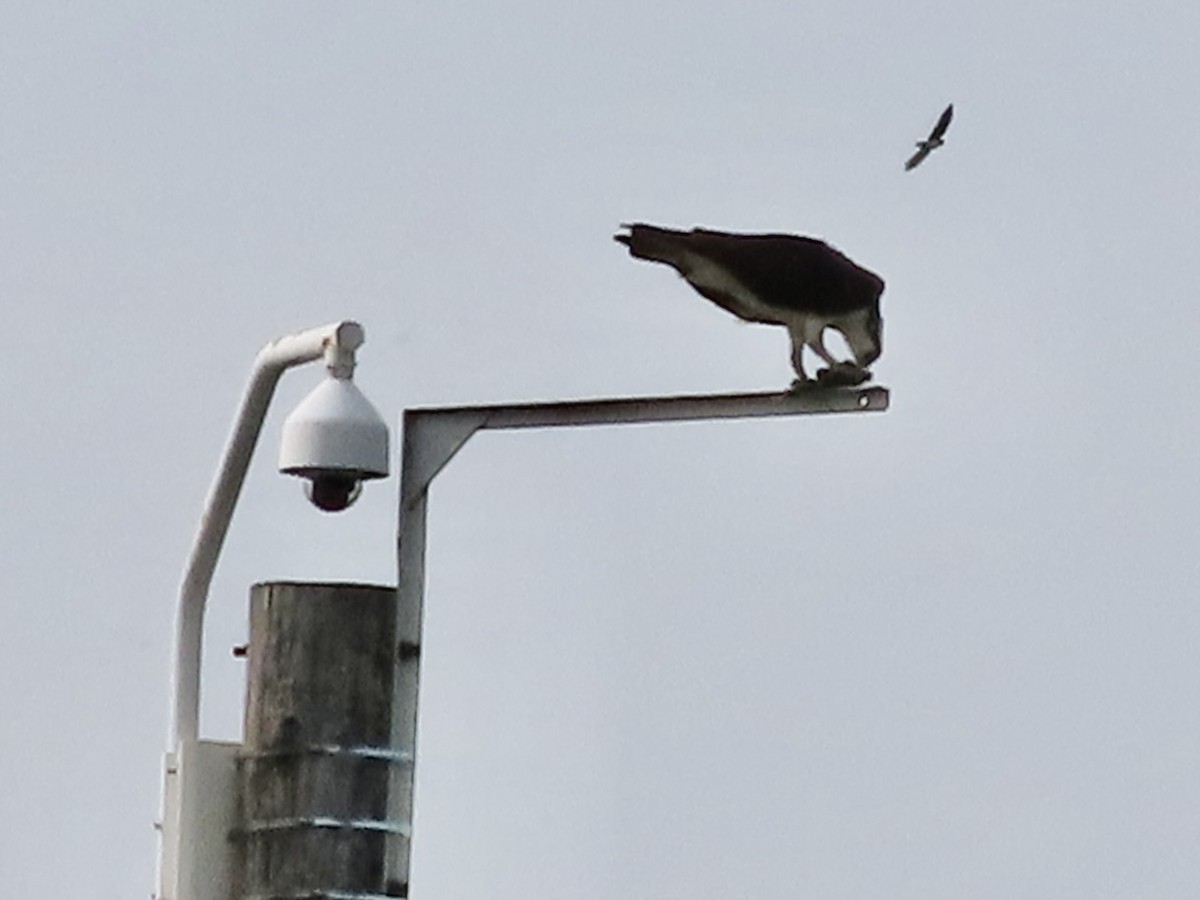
<point x="946" y="652"/>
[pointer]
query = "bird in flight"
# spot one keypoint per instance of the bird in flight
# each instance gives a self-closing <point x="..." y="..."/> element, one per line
<point x="800" y="283"/>
<point x="931" y="143"/>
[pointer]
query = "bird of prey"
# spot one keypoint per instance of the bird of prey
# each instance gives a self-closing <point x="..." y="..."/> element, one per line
<point x="931" y="143"/>
<point x="800" y="283"/>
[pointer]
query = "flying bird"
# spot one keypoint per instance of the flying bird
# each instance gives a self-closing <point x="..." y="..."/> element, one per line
<point x="800" y="283"/>
<point x="931" y="143"/>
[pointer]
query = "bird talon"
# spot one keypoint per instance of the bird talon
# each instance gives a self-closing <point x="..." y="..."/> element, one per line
<point x="843" y="374"/>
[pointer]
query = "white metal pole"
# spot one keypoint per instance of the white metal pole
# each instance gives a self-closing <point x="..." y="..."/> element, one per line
<point x="200" y="784"/>
<point x="337" y="342"/>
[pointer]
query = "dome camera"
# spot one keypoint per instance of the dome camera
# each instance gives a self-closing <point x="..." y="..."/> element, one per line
<point x="336" y="440"/>
<point x="332" y="492"/>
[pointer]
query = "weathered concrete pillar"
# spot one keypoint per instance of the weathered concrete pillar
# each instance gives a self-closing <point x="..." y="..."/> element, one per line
<point x="317" y="764"/>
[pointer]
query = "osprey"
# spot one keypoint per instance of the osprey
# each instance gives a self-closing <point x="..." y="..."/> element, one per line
<point x="800" y="283"/>
<point x="931" y="143"/>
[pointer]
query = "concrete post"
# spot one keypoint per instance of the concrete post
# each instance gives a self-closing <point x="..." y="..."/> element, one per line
<point x="317" y="764"/>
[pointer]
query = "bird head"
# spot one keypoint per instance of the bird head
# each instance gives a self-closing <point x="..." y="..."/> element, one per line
<point x="864" y="335"/>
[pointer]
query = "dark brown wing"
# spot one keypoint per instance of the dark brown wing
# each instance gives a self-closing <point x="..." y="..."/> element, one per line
<point x="790" y="272"/>
<point x="943" y="123"/>
<point x="783" y="271"/>
<point x="917" y="158"/>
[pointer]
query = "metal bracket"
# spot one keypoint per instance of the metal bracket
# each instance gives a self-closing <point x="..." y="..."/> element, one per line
<point x="385" y="826"/>
<point x="433" y="436"/>
<point x="387" y="754"/>
<point x="325" y="895"/>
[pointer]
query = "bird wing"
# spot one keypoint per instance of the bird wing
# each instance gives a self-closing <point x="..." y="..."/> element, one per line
<point x="915" y="160"/>
<point x="757" y="277"/>
<point x="943" y="123"/>
<point x="789" y="273"/>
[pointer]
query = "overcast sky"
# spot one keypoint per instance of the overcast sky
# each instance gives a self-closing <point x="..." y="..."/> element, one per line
<point x="951" y="651"/>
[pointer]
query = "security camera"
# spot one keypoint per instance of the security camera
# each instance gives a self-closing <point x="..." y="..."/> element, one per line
<point x="332" y="493"/>
<point x="335" y="440"/>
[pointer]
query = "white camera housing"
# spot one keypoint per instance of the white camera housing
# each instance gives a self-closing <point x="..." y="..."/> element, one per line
<point x="336" y="440"/>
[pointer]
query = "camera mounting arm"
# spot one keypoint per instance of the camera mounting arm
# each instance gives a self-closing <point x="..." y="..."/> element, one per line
<point x="337" y="343"/>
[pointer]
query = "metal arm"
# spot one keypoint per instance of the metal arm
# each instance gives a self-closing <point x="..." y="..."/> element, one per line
<point x="337" y="343"/>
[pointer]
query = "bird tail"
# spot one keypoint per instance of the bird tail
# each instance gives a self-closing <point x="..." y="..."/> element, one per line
<point x="653" y="243"/>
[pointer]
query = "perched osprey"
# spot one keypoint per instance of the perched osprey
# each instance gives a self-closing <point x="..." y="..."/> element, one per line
<point x="800" y="283"/>
<point x="931" y="143"/>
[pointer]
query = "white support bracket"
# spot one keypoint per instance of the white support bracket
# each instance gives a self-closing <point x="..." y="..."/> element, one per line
<point x="337" y="342"/>
<point x="199" y="813"/>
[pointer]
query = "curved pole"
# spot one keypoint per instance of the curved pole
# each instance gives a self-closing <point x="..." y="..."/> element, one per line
<point x="337" y="343"/>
